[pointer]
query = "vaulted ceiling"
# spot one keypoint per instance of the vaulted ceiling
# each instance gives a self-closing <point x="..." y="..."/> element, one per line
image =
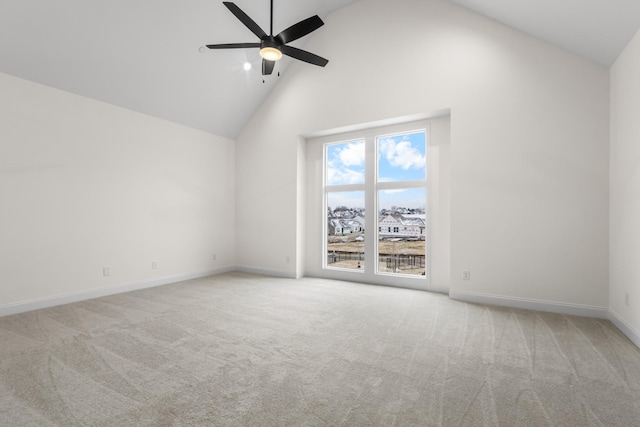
<point x="144" y="54"/>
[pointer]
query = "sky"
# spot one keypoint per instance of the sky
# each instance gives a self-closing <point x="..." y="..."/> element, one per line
<point x="400" y="158"/>
<point x="410" y="198"/>
<point x="345" y="163"/>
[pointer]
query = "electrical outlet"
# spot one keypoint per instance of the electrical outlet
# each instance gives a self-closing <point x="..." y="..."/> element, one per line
<point x="154" y="265"/>
<point x="214" y="257"/>
<point x="626" y="298"/>
<point x="466" y="275"/>
<point x="287" y="259"/>
<point x="106" y="271"/>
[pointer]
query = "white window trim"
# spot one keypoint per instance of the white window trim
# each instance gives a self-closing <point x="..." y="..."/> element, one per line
<point x="370" y="274"/>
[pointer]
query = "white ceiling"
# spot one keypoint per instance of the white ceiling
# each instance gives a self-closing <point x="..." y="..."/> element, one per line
<point x="595" y="29"/>
<point x="144" y="54"/>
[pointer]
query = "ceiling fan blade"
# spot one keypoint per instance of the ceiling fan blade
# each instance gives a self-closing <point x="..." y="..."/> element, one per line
<point x="232" y="45"/>
<point x="244" y="18"/>
<point x="267" y="67"/>
<point x="300" y="29"/>
<point x="303" y="55"/>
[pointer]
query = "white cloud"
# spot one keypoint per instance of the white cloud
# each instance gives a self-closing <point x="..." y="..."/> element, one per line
<point x="337" y="175"/>
<point x="401" y="154"/>
<point x="352" y="154"/>
<point x="346" y="165"/>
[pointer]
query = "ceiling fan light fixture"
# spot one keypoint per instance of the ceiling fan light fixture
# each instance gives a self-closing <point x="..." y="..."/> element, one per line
<point x="270" y="53"/>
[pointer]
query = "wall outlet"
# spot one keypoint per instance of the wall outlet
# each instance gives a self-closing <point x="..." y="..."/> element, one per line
<point x="214" y="257"/>
<point x="626" y="298"/>
<point x="106" y="271"/>
<point x="287" y="259"/>
<point x="154" y="265"/>
<point x="466" y="275"/>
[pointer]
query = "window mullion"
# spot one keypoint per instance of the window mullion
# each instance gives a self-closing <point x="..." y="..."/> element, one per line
<point x="370" y="205"/>
<point x="339" y="188"/>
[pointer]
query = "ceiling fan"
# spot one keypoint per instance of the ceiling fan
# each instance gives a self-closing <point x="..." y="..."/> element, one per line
<point x="273" y="47"/>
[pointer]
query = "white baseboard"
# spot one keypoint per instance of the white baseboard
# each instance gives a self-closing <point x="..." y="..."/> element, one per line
<point x="624" y="327"/>
<point x="266" y="272"/>
<point x="473" y="297"/>
<point x="531" y="304"/>
<point x="38" y="303"/>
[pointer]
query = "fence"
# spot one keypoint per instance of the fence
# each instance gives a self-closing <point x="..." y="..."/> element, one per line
<point x="402" y="261"/>
<point x="337" y="256"/>
<point x="394" y="262"/>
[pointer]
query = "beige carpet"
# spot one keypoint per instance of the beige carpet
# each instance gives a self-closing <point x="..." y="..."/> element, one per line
<point x="243" y="350"/>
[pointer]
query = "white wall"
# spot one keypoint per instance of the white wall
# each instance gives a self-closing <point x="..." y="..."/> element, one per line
<point x="529" y="145"/>
<point x="87" y="185"/>
<point x="625" y="190"/>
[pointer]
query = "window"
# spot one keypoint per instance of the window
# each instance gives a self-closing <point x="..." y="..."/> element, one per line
<point x="353" y="161"/>
<point x="380" y="179"/>
<point x="401" y="199"/>
<point x="345" y="201"/>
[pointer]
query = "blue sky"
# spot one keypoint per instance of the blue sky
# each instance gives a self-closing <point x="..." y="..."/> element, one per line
<point x="345" y="163"/>
<point x="400" y="158"/>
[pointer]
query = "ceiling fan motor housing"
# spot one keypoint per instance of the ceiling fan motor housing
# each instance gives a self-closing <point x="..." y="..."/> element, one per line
<point x="270" y="42"/>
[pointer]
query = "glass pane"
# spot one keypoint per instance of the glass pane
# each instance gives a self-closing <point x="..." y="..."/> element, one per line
<point x="345" y="163"/>
<point x="402" y="157"/>
<point x="345" y="229"/>
<point x="402" y="231"/>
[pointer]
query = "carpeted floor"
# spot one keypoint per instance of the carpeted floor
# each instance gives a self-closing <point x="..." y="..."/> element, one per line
<point x="243" y="350"/>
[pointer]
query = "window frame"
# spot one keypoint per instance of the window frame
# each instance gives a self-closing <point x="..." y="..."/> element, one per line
<point x="371" y="188"/>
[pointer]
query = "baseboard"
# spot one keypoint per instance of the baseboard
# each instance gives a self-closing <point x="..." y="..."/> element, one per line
<point x="266" y="272"/>
<point x="624" y="327"/>
<point x="531" y="304"/>
<point x="38" y="303"/>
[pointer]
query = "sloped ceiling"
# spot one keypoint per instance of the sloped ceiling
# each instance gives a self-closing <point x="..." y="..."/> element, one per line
<point x="595" y="29"/>
<point x="144" y="54"/>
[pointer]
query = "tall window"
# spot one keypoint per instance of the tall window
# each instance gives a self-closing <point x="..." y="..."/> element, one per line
<point x="401" y="200"/>
<point x="345" y="201"/>
<point x="375" y="197"/>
